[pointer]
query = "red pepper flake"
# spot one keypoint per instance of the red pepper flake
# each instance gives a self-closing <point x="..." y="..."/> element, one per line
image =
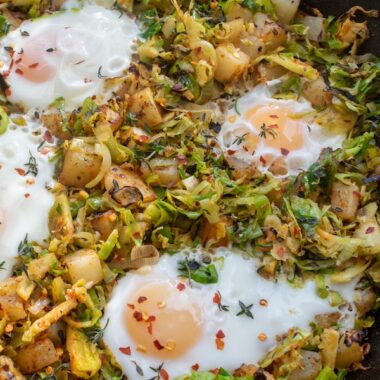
<point x="48" y="137"/>
<point x="86" y="80"/>
<point x="231" y="152"/>
<point x="26" y="195"/>
<point x="215" y="371"/>
<point x="20" y="171"/>
<point x="284" y="151"/>
<point x="138" y="316"/>
<point x="358" y="194"/>
<point x="143" y="138"/>
<point x="273" y="116"/>
<point x="219" y="344"/>
<point x="217" y="298"/>
<point x="195" y="367"/>
<point x="141" y="299"/>
<point x="151" y="318"/>
<point x="220" y="334"/>
<point x="158" y="345"/>
<point x="163" y="374"/>
<point x="18" y="60"/>
<point x="150" y="328"/>
<point x="262" y="160"/>
<point x="125" y="350"/>
<point x="137" y="235"/>
<point x="369" y="230"/>
<point x="8" y="91"/>
<point x="281" y="252"/>
<point x="273" y="126"/>
<point x="19" y="72"/>
<point x="131" y="306"/>
<point x="181" y="286"/>
<point x="33" y="65"/>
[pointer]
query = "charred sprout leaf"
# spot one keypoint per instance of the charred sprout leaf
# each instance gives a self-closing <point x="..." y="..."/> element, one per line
<point x="95" y="334"/>
<point x="4" y="25"/>
<point x="245" y="310"/>
<point x="199" y="272"/>
<point x="306" y="212"/>
<point x="126" y="195"/>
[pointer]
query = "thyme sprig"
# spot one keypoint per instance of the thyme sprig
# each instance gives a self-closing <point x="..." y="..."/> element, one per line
<point x="245" y="310"/>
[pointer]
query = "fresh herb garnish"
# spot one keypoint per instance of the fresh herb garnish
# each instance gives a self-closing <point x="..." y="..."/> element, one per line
<point x="24" y="33"/>
<point x="131" y="118"/>
<point x="4" y="25"/>
<point x="218" y="300"/>
<point x="50" y="50"/>
<point x="240" y="139"/>
<point x="24" y="248"/>
<point x="245" y="310"/>
<point x="100" y="76"/>
<point x="2" y="265"/>
<point x="96" y="333"/>
<point x="265" y="130"/>
<point x="160" y="373"/>
<point x="198" y="272"/>
<point x="152" y="22"/>
<point x="32" y="165"/>
<point x="138" y="368"/>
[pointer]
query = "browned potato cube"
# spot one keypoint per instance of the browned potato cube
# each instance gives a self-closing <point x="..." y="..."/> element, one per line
<point x="104" y="223"/>
<point x="147" y="111"/>
<point x="36" y="356"/>
<point x="80" y="164"/>
<point x="12" y="308"/>
<point x="345" y="200"/>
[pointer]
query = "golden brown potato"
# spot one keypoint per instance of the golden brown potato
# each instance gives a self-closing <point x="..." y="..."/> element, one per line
<point x="110" y="118"/>
<point x="36" y="356"/>
<point x="127" y="178"/>
<point x="231" y="63"/>
<point x="286" y="9"/>
<point x="38" y="268"/>
<point x="365" y="300"/>
<point x="269" y="71"/>
<point x="348" y="354"/>
<point x="161" y="171"/>
<point x="53" y="122"/>
<point x="85" y="265"/>
<point x="230" y="31"/>
<point x="12" y="308"/>
<point x="329" y="347"/>
<point x="213" y="234"/>
<point x="142" y="104"/>
<point x="80" y="164"/>
<point x="309" y="366"/>
<point x="104" y="223"/>
<point x="345" y="200"/>
<point x="316" y="92"/>
<point x="236" y="11"/>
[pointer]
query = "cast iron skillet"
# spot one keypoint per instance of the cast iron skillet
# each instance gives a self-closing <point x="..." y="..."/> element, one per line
<point x="337" y="7"/>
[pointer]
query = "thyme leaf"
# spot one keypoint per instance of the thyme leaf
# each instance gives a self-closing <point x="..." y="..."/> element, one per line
<point x="245" y="310"/>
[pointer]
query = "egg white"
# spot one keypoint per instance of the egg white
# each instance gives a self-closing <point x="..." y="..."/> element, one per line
<point x="238" y="280"/>
<point x="236" y="125"/>
<point x="24" y="199"/>
<point x="85" y="47"/>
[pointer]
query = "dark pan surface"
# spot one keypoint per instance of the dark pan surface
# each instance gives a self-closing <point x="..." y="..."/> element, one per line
<point x="337" y="7"/>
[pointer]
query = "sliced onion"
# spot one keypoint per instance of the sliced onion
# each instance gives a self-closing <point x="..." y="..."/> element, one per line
<point x="142" y="255"/>
<point x="103" y="151"/>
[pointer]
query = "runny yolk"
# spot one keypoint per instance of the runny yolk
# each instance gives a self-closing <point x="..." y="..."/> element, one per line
<point x="32" y="61"/>
<point x="162" y="320"/>
<point x="276" y="126"/>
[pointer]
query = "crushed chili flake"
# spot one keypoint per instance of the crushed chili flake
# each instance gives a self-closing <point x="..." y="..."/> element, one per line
<point x="263" y="302"/>
<point x="137" y="235"/>
<point x="150" y="328"/>
<point x="215" y="371"/>
<point x="163" y="374"/>
<point x="262" y="160"/>
<point x="369" y="230"/>
<point x="18" y="60"/>
<point x="138" y="316"/>
<point x="158" y="345"/>
<point x="262" y="337"/>
<point x="273" y="116"/>
<point x="220" y="334"/>
<point x="195" y="367"/>
<point x="8" y="91"/>
<point x="217" y="298"/>
<point x="141" y="348"/>
<point x="230" y="152"/>
<point x="284" y="151"/>
<point x="19" y="72"/>
<point x="141" y="299"/>
<point x="151" y="318"/>
<point x="20" y="171"/>
<point x="125" y="350"/>
<point x="48" y="137"/>
<point x="273" y="126"/>
<point x="26" y="195"/>
<point x="181" y="286"/>
<point x="358" y="194"/>
<point x="219" y="344"/>
<point x="131" y="306"/>
<point x="171" y="345"/>
<point x="33" y="65"/>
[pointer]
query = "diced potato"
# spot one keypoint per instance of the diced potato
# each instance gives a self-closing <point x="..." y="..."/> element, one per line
<point x="53" y="122"/>
<point x="309" y="366"/>
<point x="329" y="347"/>
<point x="345" y="200"/>
<point x="316" y="92"/>
<point x="213" y="234"/>
<point x="108" y="117"/>
<point x="286" y="9"/>
<point x="84" y="265"/>
<point x="127" y="178"/>
<point x="147" y="111"/>
<point x="9" y="286"/>
<point x="231" y="63"/>
<point x="104" y="223"/>
<point x="230" y="31"/>
<point x="251" y="45"/>
<point x="8" y="371"/>
<point x="80" y="164"/>
<point x="12" y="308"/>
<point x="235" y="11"/>
<point x="38" y="268"/>
<point x="36" y="356"/>
<point x="365" y="300"/>
<point x="84" y="356"/>
<point x="161" y="171"/>
<point x="271" y="33"/>
<point x="60" y="220"/>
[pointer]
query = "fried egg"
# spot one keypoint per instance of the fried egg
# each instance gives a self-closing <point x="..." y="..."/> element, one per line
<point x="274" y="135"/>
<point x="69" y="54"/>
<point x="25" y="175"/>
<point x="154" y="316"/>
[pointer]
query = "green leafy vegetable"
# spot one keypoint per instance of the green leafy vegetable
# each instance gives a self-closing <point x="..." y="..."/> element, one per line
<point x="199" y="272"/>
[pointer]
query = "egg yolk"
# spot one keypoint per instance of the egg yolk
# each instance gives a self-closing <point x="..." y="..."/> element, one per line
<point x="275" y="125"/>
<point x="31" y="62"/>
<point x="163" y="320"/>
